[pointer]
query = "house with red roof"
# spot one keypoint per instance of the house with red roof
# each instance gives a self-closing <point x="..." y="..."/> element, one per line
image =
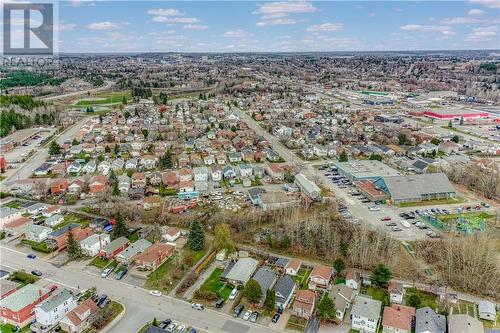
<point x="398" y="318"/>
<point x="320" y="277"/>
<point x="154" y="256"/>
<point x="303" y="305"/>
<point x="78" y="319"/>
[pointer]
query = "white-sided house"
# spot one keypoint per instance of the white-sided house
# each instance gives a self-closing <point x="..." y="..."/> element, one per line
<point x="352" y="279"/>
<point x="365" y="314"/>
<point x="90" y="167"/>
<point x="93" y="244"/>
<point x="37" y="233"/>
<point x="104" y="167"/>
<point x="209" y="160"/>
<point x="49" y="211"/>
<point x="54" y="308"/>
<point x="216" y="174"/>
<point x="149" y="162"/>
<point x="293" y="266"/>
<point x="8" y="214"/>
<point x="200" y="174"/>
<point x="131" y="164"/>
<point x="246" y="170"/>
<point x="172" y="234"/>
<point x="54" y="220"/>
<point x="124" y="183"/>
<point x="396" y="292"/>
<point x="74" y="167"/>
<point x="37" y="208"/>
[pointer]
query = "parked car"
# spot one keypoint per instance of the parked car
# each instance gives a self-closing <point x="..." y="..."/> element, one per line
<point x="396" y="229"/>
<point x="36" y="272"/>
<point x="192" y="330"/>
<point x="180" y="328"/>
<point x="155" y="293"/>
<point x="254" y="317"/>
<point x="390" y="224"/>
<point x="165" y="323"/>
<point x="104" y="303"/>
<point x="238" y="310"/>
<point x="386" y="218"/>
<point x="197" y="306"/>
<point x="247" y="315"/>
<point x="233" y="294"/>
<point x="171" y="327"/>
<point x="31" y="256"/>
<point x="276" y="317"/>
<point x="219" y="303"/>
<point x="374" y="208"/>
<point x="106" y="272"/>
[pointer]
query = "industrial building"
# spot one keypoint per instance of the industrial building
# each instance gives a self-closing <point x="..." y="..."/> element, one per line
<point x="307" y="187"/>
<point x="365" y="170"/>
<point x="447" y="114"/>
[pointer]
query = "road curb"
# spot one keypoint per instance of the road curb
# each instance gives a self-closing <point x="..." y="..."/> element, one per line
<point x="115" y="320"/>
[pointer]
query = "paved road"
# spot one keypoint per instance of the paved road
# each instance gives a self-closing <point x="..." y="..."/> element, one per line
<point x="140" y="306"/>
<point x="106" y="86"/>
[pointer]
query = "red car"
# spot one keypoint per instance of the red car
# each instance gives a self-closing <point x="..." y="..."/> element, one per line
<point x="386" y="218"/>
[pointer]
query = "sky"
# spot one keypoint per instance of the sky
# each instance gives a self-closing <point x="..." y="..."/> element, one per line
<point x="284" y="26"/>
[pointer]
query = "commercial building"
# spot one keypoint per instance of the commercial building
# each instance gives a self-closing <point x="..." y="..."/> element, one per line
<point x="415" y="188"/>
<point x="307" y="187"/>
<point x="365" y="170"/>
<point x="447" y="114"/>
<point x="389" y="118"/>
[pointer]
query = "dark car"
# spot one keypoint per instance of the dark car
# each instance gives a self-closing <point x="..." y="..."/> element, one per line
<point x="165" y="323"/>
<point x="104" y="303"/>
<point x="31" y="256"/>
<point x="36" y="272"/>
<point x="238" y="310"/>
<point x="276" y="317"/>
<point x="101" y="299"/>
<point x="192" y="330"/>
<point x="219" y="303"/>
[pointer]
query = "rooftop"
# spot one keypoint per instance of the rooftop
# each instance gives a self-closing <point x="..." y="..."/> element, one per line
<point x="55" y="300"/>
<point x="23" y="297"/>
<point x="366" y="169"/>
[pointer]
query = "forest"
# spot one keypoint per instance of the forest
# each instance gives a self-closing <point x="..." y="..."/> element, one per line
<point x="26" y="79"/>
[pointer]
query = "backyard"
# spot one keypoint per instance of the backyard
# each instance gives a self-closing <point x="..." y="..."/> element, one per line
<point x="426" y="299"/>
<point x="296" y="324"/>
<point x="214" y="284"/>
<point x="302" y="277"/>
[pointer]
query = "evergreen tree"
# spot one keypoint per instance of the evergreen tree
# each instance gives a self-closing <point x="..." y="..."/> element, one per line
<point x="326" y="308"/>
<point x="270" y="300"/>
<point x="124" y="100"/>
<point x="196" y="237"/>
<point x="252" y="291"/>
<point x="414" y="300"/>
<point x="450" y="124"/>
<point x="120" y="228"/>
<point x="54" y="148"/>
<point x="381" y="276"/>
<point x="461" y="120"/>
<point x="73" y="248"/>
<point x="343" y="157"/>
<point x="339" y="265"/>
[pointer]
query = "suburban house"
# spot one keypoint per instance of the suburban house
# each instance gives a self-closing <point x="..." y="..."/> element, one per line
<point x="76" y="186"/>
<point x="216" y="174"/>
<point x="320" y="277"/>
<point x="283" y="290"/>
<point x="342" y="296"/>
<point x="154" y="256"/>
<point x="239" y="272"/>
<point x="58" y="187"/>
<point x="128" y="255"/>
<point x="281" y="264"/>
<point x="97" y="184"/>
<point x="36" y="208"/>
<point x="58" y="238"/>
<point x="78" y="319"/>
<point x="138" y="179"/>
<point x="200" y="173"/>
<point x="124" y="183"/>
<point x="396" y="291"/>
<point x="352" y="279"/>
<point x="54" y="220"/>
<point x="8" y="214"/>
<point x="51" y="210"/>
<point x="428" y="321"/>
<point x="54" y="308"/>
<point x="275" y="171"/>
<point x="16" y="227"/>
<point x="172" y="234"/>
<point x="463" y="323"/>
<point x="266" y="279"/>
<point x="398" y="319"/>
<point x="365" y="314"/>
<point x="293" y="267"/>
<point x="93" y="244"/>
<point x="303" y="305"/>
<point x="116" y="246"/>
<point x="37" y="233"/>
<point x="487" y="310"/>
<point x="18" y="307"/>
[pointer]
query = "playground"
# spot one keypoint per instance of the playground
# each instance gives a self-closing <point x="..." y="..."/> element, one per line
<point x="463" y="223"/>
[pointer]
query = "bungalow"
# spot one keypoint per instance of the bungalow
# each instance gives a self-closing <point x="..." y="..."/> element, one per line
<point x="42" y="170"/>
<point x="275" y="171"/>
<point x="186" y="186"/>
<point x="396" y="291"/>
<point x="398" y="319"/>
<point x="128" y="255"/>
<point x="8" y="214"/>
<point x="37" y="208"/>
<point x="76" y="186"/>
<point x="352" y="279"/>
<point x="266" y="279"/>
<point x="98" y="184"/>
<point x="37" y="233"/>
<point x="428" y="321"/>
<point x="239" y="272"/>
<point x="78" y="319"/>
<point x="54" y="220"/>
<point x="116" y="246"/>
<point x="320" y="277"/>
<point x="93" y="244"/>
<point x="16" y="227"/>
<point x="54" y="308"/>
<point x="283" y="290"/>
<point x="58" y="187"/>
<point x="154" y="256"/>
<point x="365" y="314"/>
<point x="216" y="174"/>
<point x="18" y="307"/>
<point x="152" y="202"/>
<point x="304" y="303"/>
<point x="74" y="167"/>
<point x="58" y="239"/>
<point x="172" y="234"/>
<point x="293" y="267"/>
<point x="138" y="180"/>
<point x="342" y="296"/>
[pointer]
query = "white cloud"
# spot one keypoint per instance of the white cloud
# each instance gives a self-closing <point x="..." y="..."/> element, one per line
<point x="460" y="20"/>
<point x="448" y="33"/>
<point x="280" y="21"/>
<point x="483" y="34"/>
<point x="66" y="26"/>
<point x="487" y="3"/>
<point x="475" y="12"/>
<point x="273" y="16"/>
<point x="103" y="26"/>
<point x="238" y="33"/>
<point x="175" y="20"/>
<point x="424" y="28"/>
<point x="165" y="12"/>
<point x="288" y="7"/>
<point x="195" y="27"/>
<point x="337" y="26"/>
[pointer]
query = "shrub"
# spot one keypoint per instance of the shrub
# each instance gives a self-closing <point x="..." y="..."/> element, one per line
<point x="188" y="282"/>
<point x="206" y="295"/>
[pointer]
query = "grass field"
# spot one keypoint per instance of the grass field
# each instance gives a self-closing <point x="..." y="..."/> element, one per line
<point x="105" y="99"/>
<point x="447" y="201"/>
<point x="302" y="277"/>
<point x="13" y="204"/>
<point x="213" y="283"/>
<point x="8" y="328"/>
<point x="427" y="299"/>
<point x="101" y="263"/>
<point x="377" y="293"/>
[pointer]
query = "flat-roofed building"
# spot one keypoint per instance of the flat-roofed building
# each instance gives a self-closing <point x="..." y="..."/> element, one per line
<point x="307" y="187"/>
<point x="365" y="170"/>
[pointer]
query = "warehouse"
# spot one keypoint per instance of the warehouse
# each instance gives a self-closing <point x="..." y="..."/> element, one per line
<point x="365" y="170"/>
<point x="448" y="114"/>
<point x="415" y="188"/>
<point x="307" y="187"/>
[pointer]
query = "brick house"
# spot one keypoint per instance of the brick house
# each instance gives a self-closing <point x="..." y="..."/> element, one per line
<point x="304" y="303"/>
<point x="115" y="247"/>
<point x="58" y="187"/>
<point x="154" y="256"/>
<point x="18" y="308"/>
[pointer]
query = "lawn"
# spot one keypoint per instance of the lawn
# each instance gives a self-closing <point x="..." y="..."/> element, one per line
<point x="70" y="218"/>
<point x="302" y="277"/>
<point x="23" y="277"/>
<point x="13" y="204"/>
<point x="296" y="324"/>
<point x="377" y="293"/>
<point x="8" y="328"/>
<point x="213" y="283"/>
<point x="427" y="299"/>
<point x="133" y="237"/>
<point x="40" y="247"/>
<point x="108" y="314"/>
<point x="101" y="263"/>
<point x="447" y="201"/>
<point x="106" y="99"/>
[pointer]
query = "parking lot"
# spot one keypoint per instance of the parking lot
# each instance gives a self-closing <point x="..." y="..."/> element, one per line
<point x="29" y="140"/>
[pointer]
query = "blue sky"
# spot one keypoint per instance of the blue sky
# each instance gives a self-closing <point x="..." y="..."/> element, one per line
<point x="264" y="26"/>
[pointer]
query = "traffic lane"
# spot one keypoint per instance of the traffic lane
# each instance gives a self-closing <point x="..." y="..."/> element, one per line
<point x="131" y="296"/>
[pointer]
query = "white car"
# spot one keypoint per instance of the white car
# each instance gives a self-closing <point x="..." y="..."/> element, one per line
<point x="374" y="208"/>
<point x="181" y="328"/>
<point x="155" y="292"/>
<point x="247" y="315"/>
<point x="172" y="327"/>
<point x="405" y="223"/>
<point x="197" y="306"/>
<point x="106" y="272"/>
<point x="233" y="294"/>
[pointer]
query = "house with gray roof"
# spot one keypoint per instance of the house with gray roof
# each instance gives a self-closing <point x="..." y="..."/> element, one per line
<point x="54" y="220"/>
<point x="240" y="272"/>
<point x="54" y="308"/>
<point x="17" y="307"/>
<point x="365" y="314"/>
<point x="37" y="233"/>
<point x="487" y="310"/>
<point x="127" y="256"/>
<point x="307" y="187"/>
<point x="342" y="296"/>
<point x="462" y="323"/>
<point x="428" y="321"/>
<point x="266" y="278"/>
<point x="284" y="289"/>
